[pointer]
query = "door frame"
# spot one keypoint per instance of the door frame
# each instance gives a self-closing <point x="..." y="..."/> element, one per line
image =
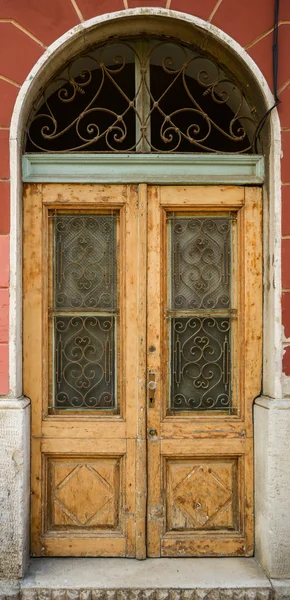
<point x="157" y="169"/>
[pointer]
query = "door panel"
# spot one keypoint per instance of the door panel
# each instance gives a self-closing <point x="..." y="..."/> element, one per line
<point x="142" y="353"/>
<point x="84" y="367"/>
<point x="204" y="318"/>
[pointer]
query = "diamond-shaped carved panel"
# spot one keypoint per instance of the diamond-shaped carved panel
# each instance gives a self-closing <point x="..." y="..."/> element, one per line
<point x="83" y="493"/>
<point x="202" y="494"/>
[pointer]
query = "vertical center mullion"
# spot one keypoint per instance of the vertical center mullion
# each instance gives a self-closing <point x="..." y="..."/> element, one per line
<point x="142" y="95"/>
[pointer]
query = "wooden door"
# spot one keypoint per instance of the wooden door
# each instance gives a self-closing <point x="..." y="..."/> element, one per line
<point x="142" y="347"/>
<point x="84" y="367"/>
<point x="204" y="354"/>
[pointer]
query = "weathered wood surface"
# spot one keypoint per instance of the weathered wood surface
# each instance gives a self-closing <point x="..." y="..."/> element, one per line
<point x="80" y="506"/>
<point x="200" y="465"/>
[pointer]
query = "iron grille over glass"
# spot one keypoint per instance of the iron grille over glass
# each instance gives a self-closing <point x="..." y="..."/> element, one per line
<point x="142" y="95"/>
<point x="201" y="269"/>
<point x="84" y="311"/>
<point x="85" y="274"/>
<point x="201" y="369"/>
<point x="200" y="303"/>
<point x="84" y="373"/>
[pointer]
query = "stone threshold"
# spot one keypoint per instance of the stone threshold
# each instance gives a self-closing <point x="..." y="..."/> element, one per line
<point x="152" y="579"/>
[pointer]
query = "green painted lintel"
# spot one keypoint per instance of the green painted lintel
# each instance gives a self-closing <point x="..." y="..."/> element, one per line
<point x="167" y="169"/>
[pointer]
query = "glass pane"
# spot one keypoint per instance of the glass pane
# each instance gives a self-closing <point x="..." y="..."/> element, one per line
<point x="84" y="362"/>
<point x="200" y="254"/>
<point x="85" y="262"/>
<point x="200" y="358"/>
<point x="84" y="319"/>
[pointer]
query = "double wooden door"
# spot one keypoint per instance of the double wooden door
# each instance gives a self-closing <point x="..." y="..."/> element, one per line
<point x="142" y="358"/>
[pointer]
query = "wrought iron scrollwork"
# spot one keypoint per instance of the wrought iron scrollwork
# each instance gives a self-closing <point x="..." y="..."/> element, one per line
<point x="84" y="311"/>
<point x="84" y="369"/>
<point x="201" y="364"/>
<point x="85" y="265"/>
<point x="142" y="96"/>
<point x="201" y="263"/>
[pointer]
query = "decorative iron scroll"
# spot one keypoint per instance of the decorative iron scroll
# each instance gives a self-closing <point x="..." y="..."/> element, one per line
<point x="200" y="250"/>
<point x="85" y="262"/>
<point x="84" y="285"/>
<point x="201" y="364"/>
<point x="142" y="96"/>
<point x="84" y="356"/>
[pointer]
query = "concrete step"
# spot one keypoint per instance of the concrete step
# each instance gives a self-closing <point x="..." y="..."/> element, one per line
<point x="152" y="579"/>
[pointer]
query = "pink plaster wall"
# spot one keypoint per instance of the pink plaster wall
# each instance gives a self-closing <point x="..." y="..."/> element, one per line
<point x="27" y="28"/>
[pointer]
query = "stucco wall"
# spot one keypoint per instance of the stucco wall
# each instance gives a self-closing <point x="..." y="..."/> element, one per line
<point x="26" y="29"/>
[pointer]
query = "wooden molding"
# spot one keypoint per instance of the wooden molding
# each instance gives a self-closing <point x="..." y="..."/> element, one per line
<point x="206" y="169"/>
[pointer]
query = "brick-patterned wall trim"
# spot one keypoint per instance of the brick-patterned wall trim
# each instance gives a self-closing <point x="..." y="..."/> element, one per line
<point x="52" y="59"/>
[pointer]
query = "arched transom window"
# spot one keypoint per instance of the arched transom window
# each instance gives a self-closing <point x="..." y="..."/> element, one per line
<point x="142" y="95"/>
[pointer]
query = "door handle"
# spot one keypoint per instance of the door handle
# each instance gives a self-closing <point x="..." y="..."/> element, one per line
<point x="151" y="387"/>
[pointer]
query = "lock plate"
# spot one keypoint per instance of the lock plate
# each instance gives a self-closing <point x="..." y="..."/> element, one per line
<point x="151" y="387"/>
